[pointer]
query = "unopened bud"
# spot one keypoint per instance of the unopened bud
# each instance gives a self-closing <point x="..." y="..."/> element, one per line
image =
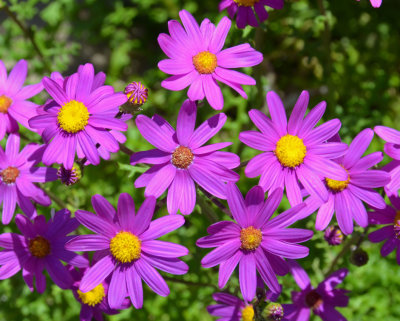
<point x="333" y="235"/>
<point x="273" y="312"/>
<point x="69" y="177"/>
<point x="359" y="257"/>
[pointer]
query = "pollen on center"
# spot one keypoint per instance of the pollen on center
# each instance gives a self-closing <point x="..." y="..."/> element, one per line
<point x="250" y="238"/>
<point x="5" y="103"/>
<point x="125" y="247"/>
<point x="9" y="175"/>
<point x="39" y="247"/>
<point x="248" y="313"/>
<point x="290" y="151"/>
<point x="182" y="157"/>
<point x="205" y="62"/>
<point x="73" y="116"/>
<point x="337" y="186"/>
<point x="246" y="3"/>
<point x="92" y="297"/>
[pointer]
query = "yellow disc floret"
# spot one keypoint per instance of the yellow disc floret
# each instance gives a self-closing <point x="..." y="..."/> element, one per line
<point x="182" y="157"/>
<point x="5" y="103"/>
<point x="337" y="186"/>
<point x="39" y="247"/>
<point x="397" y="218"/>
<point x="290" y="151"/>
<point x="93" y="297"/>
<point x="205" y="62"/>
<point x="73" y="116"/>
<point x="250" y="238"/>
<point x="125" y="247"/>
<point x="248" y="313"/>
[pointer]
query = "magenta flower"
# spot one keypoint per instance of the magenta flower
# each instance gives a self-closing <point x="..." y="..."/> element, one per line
<point x="41" y="247"/>
<point x="392" y="148"/>
<point x="197" y="59"/>
<point x="79" y="117"/>
<point x="180" y="159"/>
<point x="128" y="249"/>
<point x="375" y="3"/>
<point x="294" y="151"/>
<point x="346" y="196"/>
<point x="390" y="216"/>
<point x="14" y="107"/>
<point x="244" y="10"/>
<point x="321" y="301"/>
<point x="255" y="241"/>
<point x="95" y="302"/>
<point x="18" y="173"/>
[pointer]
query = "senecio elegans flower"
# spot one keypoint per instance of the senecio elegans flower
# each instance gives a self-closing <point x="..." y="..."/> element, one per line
<point x="41" y="247"/>
<point x="389" y="216"/>
<point x="14" y="107"/>
<point x="254" y="241"/>
<point x="375" y="3"/>
<point x="244" y="10"/>
<point x="197" y="59"/>
<point x="321" y="300"/>
<point x="18" y="173"/>
<point x="294" y="150"/>
<point x="346" y="196"/>
<point x="79" y="117"/>
<point x="230" y="307"/>
<point x="392" y="148"/>
<point x="95" y="302"/>
<point x="128" y="249"/>
<point x="180" y="159"/>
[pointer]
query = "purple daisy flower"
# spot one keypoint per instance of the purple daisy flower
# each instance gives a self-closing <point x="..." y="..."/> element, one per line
<point x="392" y="148"/>
<point x="346" y="196"/>
<point x="322" y="300"/>
<point x="230" y="307"/>
<point x="197" y="59"/>
<point x="79" y="118"/>
<point x="181" y="159"/>
<point x="244" y="10"/>
<point x="41" y="247"/>
<point x="95" y="302"/>
<point x="255" y="241"/>
<point x="18" y="173"/>
<point x="14" y="107"/>
<point x="128" y="249"/>
<point x="294" y="151"/>
<point x="390" y="216"/>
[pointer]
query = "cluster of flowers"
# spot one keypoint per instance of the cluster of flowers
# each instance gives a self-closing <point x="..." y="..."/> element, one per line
<point x="309" y="164"/>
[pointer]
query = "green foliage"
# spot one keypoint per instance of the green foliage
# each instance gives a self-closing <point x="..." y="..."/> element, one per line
<point x="348" y="55"/>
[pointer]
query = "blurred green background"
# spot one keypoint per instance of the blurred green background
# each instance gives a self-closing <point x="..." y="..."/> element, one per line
<point x="342" y="51"/>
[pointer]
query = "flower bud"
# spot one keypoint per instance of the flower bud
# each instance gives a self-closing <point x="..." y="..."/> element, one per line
<point x="137" y="95"/>
<point x="69" y="177"/>
<point x="359" y="257"/>
<point x="273" y="312"/>
<point x="333" y="235"/>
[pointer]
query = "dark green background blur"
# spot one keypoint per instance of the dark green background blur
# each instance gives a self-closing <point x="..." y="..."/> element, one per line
<point x="342" y="51"/>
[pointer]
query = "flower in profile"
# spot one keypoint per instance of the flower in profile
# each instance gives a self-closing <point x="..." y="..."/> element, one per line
<point x="333" y="235"/>
<point x="40" y="247"/>
<point x="254" y="241"/>
<point x="197" y="59"/>
<point x="294" y="150"/>
<point x="18" y="173"/>
<point x="390" y="217"/>
<point x="244" y="10"/>
<point x="128" y="249"/>
<point x="321" y="300"/>
<point x="392" y="148"/>
<point x="346" y="196"/>
<point x="14" y="107"/>
<point x="375" y="3"/>
<point x="95" y="302"/>
<point x="79" y="117"/>
<point x="230" y="307"/>
<point x="69" y="176"/>
<point x="180" y="159"/>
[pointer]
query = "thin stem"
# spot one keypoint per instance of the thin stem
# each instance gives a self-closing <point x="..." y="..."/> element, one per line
<point x="54" y="197"/>
<point x="28" y="32"/>
<point x="216" y="201"/>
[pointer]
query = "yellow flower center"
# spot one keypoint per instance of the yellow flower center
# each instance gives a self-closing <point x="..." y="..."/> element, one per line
<point x="9" y="175"/>
<point x="337" y="186"/>
<point x="182" y="157"/>
<point x="246" y="3"/>
<point x="248" y="313"/>
<point x="205" y="62"/>
<point x="5" y="103"/>
<point x="73" y="116"/>
<point x="250" y="238"/>
<point x="397" y="219"/>
<point x="290" y="151"/>
<point x="93" y="297"/>
<point x="39" y="247"/>
<point x="125" y="247"/>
